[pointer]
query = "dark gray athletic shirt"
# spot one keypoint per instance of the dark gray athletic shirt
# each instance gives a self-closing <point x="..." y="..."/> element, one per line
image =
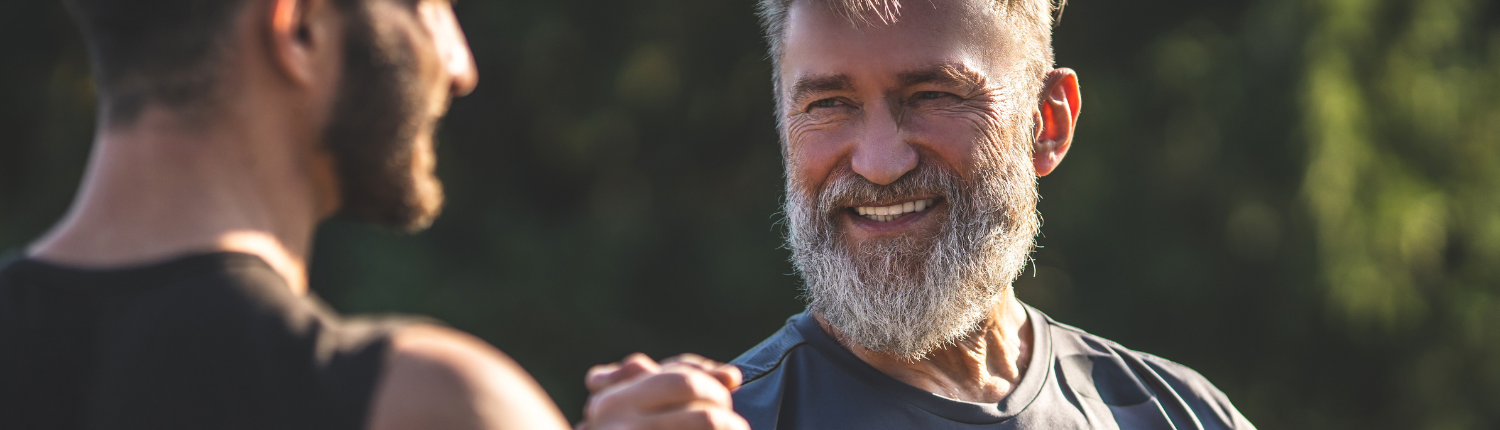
<point x="801" y="378"/>
<point x="210" y="341"/>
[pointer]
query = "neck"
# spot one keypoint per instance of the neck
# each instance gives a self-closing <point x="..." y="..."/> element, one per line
<point x="161" y="188"/>
<point x="982" y="367"/>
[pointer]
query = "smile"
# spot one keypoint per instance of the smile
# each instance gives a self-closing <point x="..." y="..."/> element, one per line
<point x="890" y="213"/>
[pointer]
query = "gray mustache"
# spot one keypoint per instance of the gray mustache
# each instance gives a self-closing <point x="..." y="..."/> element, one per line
<point x="846" y="188"/>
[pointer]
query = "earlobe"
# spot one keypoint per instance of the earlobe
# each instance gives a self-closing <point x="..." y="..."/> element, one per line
<point x="1045" y="156"/>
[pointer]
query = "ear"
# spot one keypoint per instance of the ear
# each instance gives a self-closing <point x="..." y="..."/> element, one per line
<point x="299" y="34"/>
<point x="1056" y="115"/>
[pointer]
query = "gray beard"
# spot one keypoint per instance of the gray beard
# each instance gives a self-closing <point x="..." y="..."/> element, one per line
<point x="907" y="296"/>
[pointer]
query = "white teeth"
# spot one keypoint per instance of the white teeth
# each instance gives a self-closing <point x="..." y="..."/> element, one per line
<point x="890" y="213"/>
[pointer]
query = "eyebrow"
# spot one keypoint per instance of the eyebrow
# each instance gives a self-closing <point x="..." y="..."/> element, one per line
<point x="954" y="75"/>
<point x="809" y="85"/>
<point x="951" y="75"/>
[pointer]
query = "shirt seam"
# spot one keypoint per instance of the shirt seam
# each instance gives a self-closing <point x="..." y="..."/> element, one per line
<point x="779" y="361"/>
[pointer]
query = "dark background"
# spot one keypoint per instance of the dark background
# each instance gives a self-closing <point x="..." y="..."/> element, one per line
<point x="1298" y="198"/>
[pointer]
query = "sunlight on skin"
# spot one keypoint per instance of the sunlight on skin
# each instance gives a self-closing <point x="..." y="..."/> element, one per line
<point x="881" y="97"/>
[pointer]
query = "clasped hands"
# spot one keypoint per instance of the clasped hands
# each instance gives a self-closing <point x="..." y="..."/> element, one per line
<point x="686" y="392"/>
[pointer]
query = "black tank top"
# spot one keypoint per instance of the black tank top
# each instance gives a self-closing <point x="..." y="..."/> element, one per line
<point x="210" y="341"/>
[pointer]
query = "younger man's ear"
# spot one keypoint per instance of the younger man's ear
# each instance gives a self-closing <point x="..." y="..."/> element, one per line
<point x="299" y="34"/>
<point x="1055" y="116"/>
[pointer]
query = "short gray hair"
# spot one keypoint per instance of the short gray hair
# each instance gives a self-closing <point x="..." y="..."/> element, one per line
<point x="1033" y="18"/>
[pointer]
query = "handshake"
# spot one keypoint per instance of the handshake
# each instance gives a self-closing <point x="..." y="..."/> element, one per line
<point x="682" y="392"/>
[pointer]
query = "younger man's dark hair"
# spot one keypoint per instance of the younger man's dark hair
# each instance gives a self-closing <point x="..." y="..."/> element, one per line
<point x="164" y="52"/>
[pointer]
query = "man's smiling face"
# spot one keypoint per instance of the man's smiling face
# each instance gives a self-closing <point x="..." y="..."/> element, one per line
<point x="878" y="100"/>
<point x="911" y="189"/>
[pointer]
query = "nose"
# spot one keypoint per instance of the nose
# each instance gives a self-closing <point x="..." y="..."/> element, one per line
<point x="882" y="155"/>
<point x="452" y="47"/>
<point x="464" y="76"/>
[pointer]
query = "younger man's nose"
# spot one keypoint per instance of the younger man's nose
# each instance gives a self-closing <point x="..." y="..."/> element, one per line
<point x="464" y="80"/>
<point x="882" y="154"/>
<point x="452" y="47"/>
<point x="459" y="62"/>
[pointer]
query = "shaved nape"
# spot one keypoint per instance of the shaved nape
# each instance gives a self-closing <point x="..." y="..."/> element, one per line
<point x="167" y="53"/>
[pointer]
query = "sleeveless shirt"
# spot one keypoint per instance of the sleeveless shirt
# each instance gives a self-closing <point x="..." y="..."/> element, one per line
<point x="207" y="341"/>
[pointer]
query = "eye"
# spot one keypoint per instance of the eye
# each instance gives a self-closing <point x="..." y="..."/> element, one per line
<point x="824" y="103"/>
<point x="929" y="95"/>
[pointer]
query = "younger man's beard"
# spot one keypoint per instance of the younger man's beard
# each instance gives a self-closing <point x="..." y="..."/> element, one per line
<point x="376" y="123"/>
<point x="907" y="296"/>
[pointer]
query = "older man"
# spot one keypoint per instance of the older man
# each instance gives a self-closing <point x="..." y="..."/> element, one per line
<point x="913" y="135"/>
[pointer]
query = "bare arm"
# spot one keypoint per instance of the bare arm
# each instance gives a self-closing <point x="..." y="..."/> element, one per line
<point x="440" y="378"/>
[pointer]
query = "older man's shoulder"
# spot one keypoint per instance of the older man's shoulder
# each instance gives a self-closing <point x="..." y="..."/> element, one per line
<point x="1069" y="340"/>
<point x="1106" y="370"/>
<point x="766" y="356"/>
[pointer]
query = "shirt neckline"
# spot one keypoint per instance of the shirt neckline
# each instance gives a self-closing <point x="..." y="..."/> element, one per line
<point x="1038" y="372"/>
<point x="145" y="273"/>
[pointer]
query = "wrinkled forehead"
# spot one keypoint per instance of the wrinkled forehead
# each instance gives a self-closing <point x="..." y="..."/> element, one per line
<point x="820" y="39"/>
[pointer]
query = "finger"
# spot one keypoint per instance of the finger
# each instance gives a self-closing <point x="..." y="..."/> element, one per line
<point x="631" y="367"/>
<point x="599" y="373"/>
<point x="682" y="387"/>
<point x="696" y="419"/>
<point x="727" y="374"/>
<point x="694" y="359"/>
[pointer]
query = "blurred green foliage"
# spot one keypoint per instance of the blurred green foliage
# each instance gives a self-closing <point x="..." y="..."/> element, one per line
<point x="1401" y="109"/>
<point x="1298" y="198"/>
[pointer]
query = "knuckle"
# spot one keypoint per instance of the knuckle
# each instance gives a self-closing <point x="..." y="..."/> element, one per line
<point x="602" y="404"/>
<point x="597" y="375"/>
<point x="702" y="419"/>
<point x="633" y="367"/>
<point x="702" y="386"/>
<point x="677" y="381"/>
<point x="725" y="419"/>
<point x="732" y="374"/>
<point x="636" y="358"/>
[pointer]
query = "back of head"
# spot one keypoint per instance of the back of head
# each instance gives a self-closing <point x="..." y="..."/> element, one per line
<point x="187" y="57"/>
<point x="164" y="52"/>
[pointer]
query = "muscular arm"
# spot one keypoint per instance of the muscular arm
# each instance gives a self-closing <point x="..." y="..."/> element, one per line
<point x="440" y="378"/>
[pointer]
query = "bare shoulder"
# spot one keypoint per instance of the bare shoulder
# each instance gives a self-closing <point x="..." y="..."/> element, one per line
<point x="437" y="377"/>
